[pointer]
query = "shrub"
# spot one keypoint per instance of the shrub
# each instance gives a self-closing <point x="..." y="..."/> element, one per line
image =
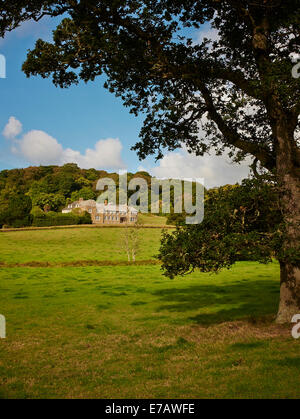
<point x="58" y="219"/>
<point x="85" y="218"/>
<point x="36" y="211"/>
<point x="15" y="209"/>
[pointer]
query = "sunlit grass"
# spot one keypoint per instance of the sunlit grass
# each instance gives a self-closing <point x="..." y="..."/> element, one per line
<point x="114" y="332"/>
<point x="65" y="245"/>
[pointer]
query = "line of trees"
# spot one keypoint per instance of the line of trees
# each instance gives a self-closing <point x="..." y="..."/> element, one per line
<point x="36" y="195"/>
<point x="48" y="189"/>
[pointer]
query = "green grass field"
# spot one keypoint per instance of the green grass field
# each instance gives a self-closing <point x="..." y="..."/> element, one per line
<point x="129" y="332"/>
<point x="66" y="245"/>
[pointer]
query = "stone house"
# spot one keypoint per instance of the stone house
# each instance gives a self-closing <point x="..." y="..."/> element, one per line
<point x="104" y="213"/>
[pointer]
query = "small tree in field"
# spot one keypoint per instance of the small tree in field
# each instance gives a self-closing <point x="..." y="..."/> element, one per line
<point x="240" y="87"/>
<point x="131" y="239"/>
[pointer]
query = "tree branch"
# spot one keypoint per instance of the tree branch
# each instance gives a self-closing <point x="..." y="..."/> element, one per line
<point x="233" y="138"/>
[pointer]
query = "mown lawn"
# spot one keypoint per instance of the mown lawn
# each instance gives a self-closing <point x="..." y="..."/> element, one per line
<point x="154" y="220"/>
<point x="66" y="245"/>
<point x="116" y="332"/>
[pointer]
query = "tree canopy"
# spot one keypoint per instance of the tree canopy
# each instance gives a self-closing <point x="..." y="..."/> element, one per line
<point x="15" y="209"/>
<point x="241" y="222"/>
<point x="145" y="49"/>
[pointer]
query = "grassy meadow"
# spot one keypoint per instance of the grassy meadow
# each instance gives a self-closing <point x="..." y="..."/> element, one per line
<point x="129" y="332"/>
<point x="75" y="244"/>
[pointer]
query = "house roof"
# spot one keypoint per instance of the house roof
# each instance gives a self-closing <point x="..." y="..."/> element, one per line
<point x="87" y="203"/>
<point x="101" y="208"/>
<point x="115" y="208"/>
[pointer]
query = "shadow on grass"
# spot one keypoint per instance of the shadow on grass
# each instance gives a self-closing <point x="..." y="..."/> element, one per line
<point x="219" y="303"/>
<point x="289" y="362"/>
<point x="245" y="346"/>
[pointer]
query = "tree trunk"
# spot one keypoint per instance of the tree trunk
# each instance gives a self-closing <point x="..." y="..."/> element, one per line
<point x="289" y="303"/>
<point x="133" y="255"/>
<point x="289" y="180"/>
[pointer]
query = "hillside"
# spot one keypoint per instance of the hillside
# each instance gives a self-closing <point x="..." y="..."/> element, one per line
<point x="55" y="186"/>
<point x="29" y="196"/>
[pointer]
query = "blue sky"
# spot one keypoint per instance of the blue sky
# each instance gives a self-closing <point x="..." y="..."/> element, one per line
<point x="58" y="125"/>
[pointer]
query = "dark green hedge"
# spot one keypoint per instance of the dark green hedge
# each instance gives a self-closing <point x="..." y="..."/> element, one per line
<point x="59" y="219"/>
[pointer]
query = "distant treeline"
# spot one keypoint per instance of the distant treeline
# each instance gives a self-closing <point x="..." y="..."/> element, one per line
<point x="36" y="195"/>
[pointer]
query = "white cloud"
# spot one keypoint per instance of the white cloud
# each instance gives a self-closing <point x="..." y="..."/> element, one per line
<point x="13" y="128"/>
<point x="105" y="154"/>
<point x="209" y="33"/>
<point x="29" y="28"/>
<point x="216" y="170"/>
<point x="39" y="148"/>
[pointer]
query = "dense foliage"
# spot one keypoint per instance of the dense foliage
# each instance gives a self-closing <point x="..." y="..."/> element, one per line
<point x="56" y="186"/>
<point x="239" y="83"/>
<point x="26" y="193"/>
<point x="15" y="209"/>
<point x="58" y="219"/>
<point x="41" y="192"/>
<point x="241" y="222"/>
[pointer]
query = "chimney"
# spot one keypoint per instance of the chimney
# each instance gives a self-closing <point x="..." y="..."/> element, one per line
<point x="106" y="202"/>
<point x="80" y="199"/>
